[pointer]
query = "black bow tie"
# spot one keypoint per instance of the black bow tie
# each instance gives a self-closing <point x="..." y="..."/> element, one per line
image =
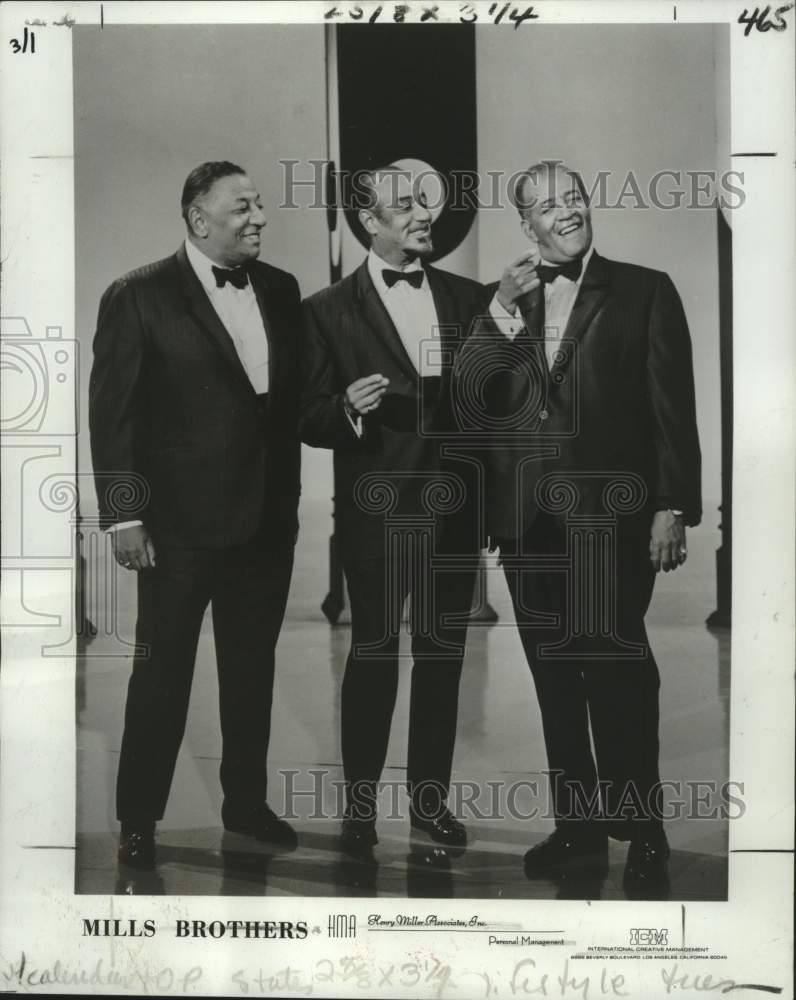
<point x="415" y="278"/>
<point x="570" y="270"/>
<point x="237" y="276"/>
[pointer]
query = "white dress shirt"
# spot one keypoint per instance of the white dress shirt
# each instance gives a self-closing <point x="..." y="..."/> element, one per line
<point x="238" y="310"/>
<point x="559" y="298"/>
<point x="414" y="316"/>
<point x="413" y="313"/>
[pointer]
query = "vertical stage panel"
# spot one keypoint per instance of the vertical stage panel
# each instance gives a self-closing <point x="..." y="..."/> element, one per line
<point x="408" y="93"/>
<point x="722" y="616"/>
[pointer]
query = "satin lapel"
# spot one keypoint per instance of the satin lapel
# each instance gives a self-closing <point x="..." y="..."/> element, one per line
<point x="206" y="316"/>
<point x="450" y="332"/>
<point x="267" y="310"/>
<point x="531" y="306"/>
<point x="592" y="294"/>
<point x="375" y="314"/>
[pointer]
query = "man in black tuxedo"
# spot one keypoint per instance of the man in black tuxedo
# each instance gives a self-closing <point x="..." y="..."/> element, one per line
<point x="377" y="356"/>
<point x="590" y="483"/>
<point x="193" y="411"/>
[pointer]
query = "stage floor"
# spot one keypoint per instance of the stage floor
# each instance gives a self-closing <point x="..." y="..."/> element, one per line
<point x="499" y="741"/>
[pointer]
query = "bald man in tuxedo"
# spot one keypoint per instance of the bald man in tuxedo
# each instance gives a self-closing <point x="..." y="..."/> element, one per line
<point x="378" y="348"/>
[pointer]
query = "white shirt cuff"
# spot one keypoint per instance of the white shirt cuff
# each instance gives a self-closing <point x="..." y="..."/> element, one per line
<point x="508" y="325"/>
<point x="123" y="524"/>
<point x="356" y="424"/>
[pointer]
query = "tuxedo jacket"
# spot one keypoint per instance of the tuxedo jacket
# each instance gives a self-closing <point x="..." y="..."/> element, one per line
<point x="178" y="435"/>
<point x="348" y="334"/>
<point x="617" y="405"/>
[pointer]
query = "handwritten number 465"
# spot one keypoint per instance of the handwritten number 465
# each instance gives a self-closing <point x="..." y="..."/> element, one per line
<point x="760" y="19"/>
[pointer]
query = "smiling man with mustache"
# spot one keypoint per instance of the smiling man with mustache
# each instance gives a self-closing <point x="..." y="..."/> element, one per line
<point x="193" y="411"/>
<point x="590" y="484"/>
<point x="377" y="355"/>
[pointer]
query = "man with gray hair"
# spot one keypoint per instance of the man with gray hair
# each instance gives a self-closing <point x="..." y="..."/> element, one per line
<point x="591" y="481"/>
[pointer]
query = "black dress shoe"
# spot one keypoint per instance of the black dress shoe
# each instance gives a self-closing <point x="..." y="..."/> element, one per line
<point x="444" y="829"/>
<point x="647" y="861"/>
<point x="565" y="851"/>
<point x="357" y="838"/>
<point x="262" y="824"/>
<point x="137" y="848"/>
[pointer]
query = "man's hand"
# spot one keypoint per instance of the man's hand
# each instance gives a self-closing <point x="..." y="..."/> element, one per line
<point x="518" y="279"/>
<point x="364" y="395"/>
<point x="133" y="547"/>
<point x="667" y="541"/>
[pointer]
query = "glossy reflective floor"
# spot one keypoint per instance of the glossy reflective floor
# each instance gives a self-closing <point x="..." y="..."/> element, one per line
<point x="499" y="752"/>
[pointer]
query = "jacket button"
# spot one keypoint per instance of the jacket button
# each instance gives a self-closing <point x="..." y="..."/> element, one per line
<point x="543" y="414"/>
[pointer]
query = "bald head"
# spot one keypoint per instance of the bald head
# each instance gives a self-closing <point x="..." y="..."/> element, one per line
<point x="522" y="191"/>
<point x="554" y="211"/>
<point x="396" y="216"/>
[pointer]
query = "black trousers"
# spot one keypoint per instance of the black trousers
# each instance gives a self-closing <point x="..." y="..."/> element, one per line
<point x="580" y="599"/>
<point x="377" y="589"/>
<point x="247" y="587"/>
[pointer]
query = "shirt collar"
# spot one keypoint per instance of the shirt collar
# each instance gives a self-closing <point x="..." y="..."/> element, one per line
<point x="203" y="266"/>
<point x="584" y="261"/>
<point x="376" y="265"/>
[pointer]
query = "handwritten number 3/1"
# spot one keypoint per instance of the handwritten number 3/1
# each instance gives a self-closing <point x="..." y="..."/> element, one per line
<point x="28" y="43"/>
<point x="760" y="19"/>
